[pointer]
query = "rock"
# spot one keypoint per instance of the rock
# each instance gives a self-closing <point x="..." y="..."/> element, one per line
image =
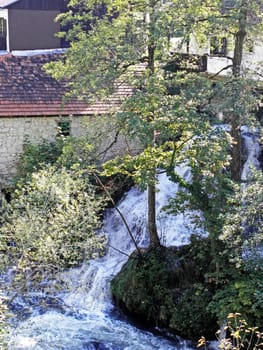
<point x="165" y="288"/>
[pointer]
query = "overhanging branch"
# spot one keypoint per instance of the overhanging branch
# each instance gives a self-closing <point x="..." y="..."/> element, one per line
<point x="221" y="70"/>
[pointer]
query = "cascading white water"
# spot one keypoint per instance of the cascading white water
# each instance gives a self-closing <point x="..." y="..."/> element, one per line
<point x="85" y="319"/>
<point x="252" y="149"/>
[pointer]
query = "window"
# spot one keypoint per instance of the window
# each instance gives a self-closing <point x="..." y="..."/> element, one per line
<point x="64" y="127"/>
<point x="218" y="46"/>
<point x="2" y="33"/>
<point x="250" y="45"/>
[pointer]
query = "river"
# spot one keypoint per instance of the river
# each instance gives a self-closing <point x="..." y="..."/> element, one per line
<point x="82" y="315"/>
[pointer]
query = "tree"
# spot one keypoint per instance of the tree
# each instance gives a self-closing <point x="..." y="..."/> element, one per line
<point x="248" y="20"/>
<point x="127" y="36"/>
<point x="129" y="43"/>
<point x="240" y="20"/>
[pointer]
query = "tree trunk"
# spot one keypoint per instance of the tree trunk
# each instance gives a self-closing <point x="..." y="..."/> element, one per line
<point x="236" y="152"/>
<point x="236" y="162"/>
<point x="152" y="227"/>
<point x="153" y="235"/>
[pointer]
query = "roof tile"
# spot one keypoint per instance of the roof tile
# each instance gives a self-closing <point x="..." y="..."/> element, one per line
<point x="26" y="89"/>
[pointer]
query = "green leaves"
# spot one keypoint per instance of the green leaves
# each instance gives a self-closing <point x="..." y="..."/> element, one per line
<point x="3" y="323"/>
<point x="50" y="224"/>
<point x="243" y="227"/>
<point x="244" y="295"/>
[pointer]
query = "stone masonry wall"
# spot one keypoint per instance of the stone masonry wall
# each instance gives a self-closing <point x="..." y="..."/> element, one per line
<point x="13" y="132"/>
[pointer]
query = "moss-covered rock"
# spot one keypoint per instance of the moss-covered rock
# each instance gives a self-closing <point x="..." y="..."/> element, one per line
<point x="165" y="287"/>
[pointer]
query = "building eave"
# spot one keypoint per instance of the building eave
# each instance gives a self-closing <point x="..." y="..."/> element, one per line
<point x="6" y="3"/>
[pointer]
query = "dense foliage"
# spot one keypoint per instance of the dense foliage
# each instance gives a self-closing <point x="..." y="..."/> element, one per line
<point x="242" y="234"/>
<point x="50" y="224"/>
<point x="167" y="288"/>
<point x="3" y="323"/>
<point x="61" y="152"/>
<point x="35" y="156"/>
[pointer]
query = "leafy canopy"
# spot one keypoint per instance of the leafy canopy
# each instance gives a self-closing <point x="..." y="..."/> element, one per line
<point x="128" y="43"/>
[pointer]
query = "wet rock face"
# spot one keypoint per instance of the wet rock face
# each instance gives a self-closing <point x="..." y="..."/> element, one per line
<point x="164" y="288"/>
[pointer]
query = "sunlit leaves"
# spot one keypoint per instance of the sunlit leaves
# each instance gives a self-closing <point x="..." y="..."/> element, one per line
<point x="237" y="335"/>
<point x="243" y="229"/>
<point x="50" y="224"/>
<point x="106" y="37"/>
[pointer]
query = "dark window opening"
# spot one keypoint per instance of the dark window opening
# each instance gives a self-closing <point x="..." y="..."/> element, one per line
<point x="218" y="46"/>
<point x="3" y="34"/>
<point x="64" y="127"/>
<point x="250" y="45"/>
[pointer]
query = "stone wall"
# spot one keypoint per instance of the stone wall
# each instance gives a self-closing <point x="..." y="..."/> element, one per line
<point x="14" y="131"/>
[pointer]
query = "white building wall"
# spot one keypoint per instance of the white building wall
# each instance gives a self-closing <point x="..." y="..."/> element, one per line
<point x="252" y="60"/>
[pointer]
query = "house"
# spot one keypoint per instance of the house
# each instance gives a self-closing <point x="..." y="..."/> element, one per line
<point x="29" y="24"/>
<point x="32" y="103"/>
<point x="220" y="50"/>
<point x="32" y="106"/>
<point x="218" y="53"/>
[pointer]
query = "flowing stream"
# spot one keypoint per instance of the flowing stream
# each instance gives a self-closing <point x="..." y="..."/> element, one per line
<point x="84" y="317"/>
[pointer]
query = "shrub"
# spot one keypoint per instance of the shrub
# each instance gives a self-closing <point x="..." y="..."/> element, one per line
<point x="237" y="335"/>
<point x="51" y="223"/>
<point x="243" y="295"/>
<point x="34" y="156"/>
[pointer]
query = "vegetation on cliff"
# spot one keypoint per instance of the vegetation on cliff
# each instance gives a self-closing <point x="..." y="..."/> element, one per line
<point x="166" y="288"/>
<point x="191" y="291"/>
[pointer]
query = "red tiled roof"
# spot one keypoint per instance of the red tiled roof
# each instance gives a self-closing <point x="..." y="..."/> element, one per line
<point x="26" y="90"/>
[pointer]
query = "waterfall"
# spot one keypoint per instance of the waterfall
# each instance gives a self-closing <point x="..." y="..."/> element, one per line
<point x="83" y="317"/>
<point x="252" y="150"/>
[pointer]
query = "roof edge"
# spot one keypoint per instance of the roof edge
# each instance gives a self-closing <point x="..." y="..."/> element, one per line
<point x="4" y="4"/>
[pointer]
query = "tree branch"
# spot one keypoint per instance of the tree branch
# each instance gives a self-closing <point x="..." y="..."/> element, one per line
<point x="111" y="144"/>
<point x="119" y="212"/>
<point x="221" y="70"/>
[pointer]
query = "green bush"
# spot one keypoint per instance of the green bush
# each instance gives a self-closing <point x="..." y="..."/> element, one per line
<point x="191" y="316"/>
<point x="243" y="295"/>
<point x="65" y="152"/>
<point x="164" y="287"/>
<point x="236" y="335"/>
<point x="35" y="156"/>
<point x="50" y="224"/>
<point x="142" y="286"/>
